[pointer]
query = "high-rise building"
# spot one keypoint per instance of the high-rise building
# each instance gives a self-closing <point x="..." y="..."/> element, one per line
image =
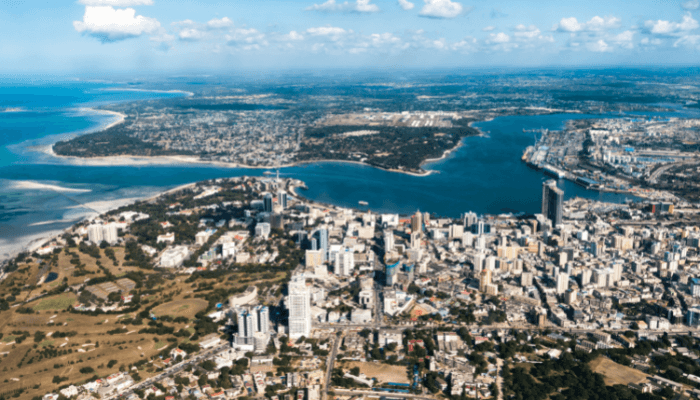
<point x="417" y="222"/>
<point x="470" y="219"/>
<point x="526" y="279"/>
<point x="484" y="279"/>
<point x="391" y="274"/>
<point x="388" y="241"/>
<point x="490" y="263"/>
<point x="552" y="202"/>
<point x="478" y="261"/>
<point x="277" y="221"/>
<point x="415" y="240"/>
<point x="267" y="202"/>
<point x="282" y="198"/>
<point x="299" y="306"/>
<point x="95" y="234"/>
<point x="252" y="320"/>
<point x="322" y="234"/>
<point x="481" y="228"/>
<point x="695" y="287"/>
<point x="344" y="262"/>
<point x="562" y="282"/>
<point x="98" y="233"/>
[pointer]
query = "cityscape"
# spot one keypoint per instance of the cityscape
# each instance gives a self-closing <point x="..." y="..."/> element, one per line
<point x="349" y="200"/>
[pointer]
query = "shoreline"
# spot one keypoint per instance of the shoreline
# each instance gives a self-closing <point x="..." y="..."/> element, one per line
<point x="125" y="160"/>
<point x="128" y="89"/>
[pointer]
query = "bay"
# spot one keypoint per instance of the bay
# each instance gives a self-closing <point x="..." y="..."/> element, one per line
<point x="484" y="175"/>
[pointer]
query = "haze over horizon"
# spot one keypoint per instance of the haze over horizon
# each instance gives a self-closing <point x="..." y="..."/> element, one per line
<point x="105" y="36"/>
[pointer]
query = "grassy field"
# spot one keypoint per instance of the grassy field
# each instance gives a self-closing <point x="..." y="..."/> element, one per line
<point x="181" y="308"/>
<point x="616" y="374"/>
<point x="382" y="372"/>
<point x="55" y="303"/>
<point x="90" y="344"/>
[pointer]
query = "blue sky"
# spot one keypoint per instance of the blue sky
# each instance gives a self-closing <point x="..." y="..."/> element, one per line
<point x="95" y="36"/>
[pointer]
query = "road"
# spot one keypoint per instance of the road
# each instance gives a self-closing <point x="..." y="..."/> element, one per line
<point x="172" y="370"/>
<point x="656" y="174"/>
<point x="381" y="394"/>
<point x="330" y="362"/>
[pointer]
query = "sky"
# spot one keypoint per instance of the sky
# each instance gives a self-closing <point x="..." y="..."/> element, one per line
<point x="151" y="36"/>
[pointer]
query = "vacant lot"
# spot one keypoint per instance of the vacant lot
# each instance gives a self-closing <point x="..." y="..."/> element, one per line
<point x="181" y="308"/>
<point x="382" y="372"/>
<point x="55" y="303"/>
<point x="615" y="373"/>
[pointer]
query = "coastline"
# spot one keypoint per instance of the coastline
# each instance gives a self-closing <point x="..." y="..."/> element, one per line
<point x="124" y="160"/>
<point x="186" y="93"/>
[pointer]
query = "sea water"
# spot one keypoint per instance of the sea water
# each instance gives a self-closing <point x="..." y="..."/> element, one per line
<point x="41" y="194"/>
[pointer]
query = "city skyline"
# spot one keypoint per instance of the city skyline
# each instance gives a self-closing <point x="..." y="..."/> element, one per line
<point x="147" y="36"/>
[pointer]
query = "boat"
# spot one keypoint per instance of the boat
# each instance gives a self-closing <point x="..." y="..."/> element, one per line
<point x="363" y="203"/>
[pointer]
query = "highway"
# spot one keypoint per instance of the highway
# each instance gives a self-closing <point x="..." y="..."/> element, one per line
<point x="172" y="370"/>
<point x="381" y="394"/>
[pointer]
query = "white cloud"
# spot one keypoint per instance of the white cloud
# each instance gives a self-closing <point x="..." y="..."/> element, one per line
<point x="406" y="5"/>
<point x="467" y="44"/>
<point x="332" y="32"/>
<point x="691" y="5"/>
<point x="109" y="24"/>
<point x="500" y="41"/>
<point x="526" y="32"/>
<point x="224" y="22"/>
<point x="624" y="39"/>
<point x="116" y="3"/>
<point x="247" y="39"/>
<point x="599" y="46"/>
<point x="691" y="41"/>
<point x="358" y="6"/>
<point x="669" y="28"/>
<point x="191" y="34"/>
<point x="498" y="38"/>
<point x="442" y="9"/>
<point x="488" y="29"/>
<point x="596" y="24"/>
<point x="293" y="36"/>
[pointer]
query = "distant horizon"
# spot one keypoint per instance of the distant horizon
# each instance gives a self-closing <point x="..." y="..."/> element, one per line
<point x="110" y="76"/>
<point x="142" y="36"/>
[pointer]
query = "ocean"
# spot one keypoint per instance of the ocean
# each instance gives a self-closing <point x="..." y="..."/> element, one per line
<point x="42" y="195"/>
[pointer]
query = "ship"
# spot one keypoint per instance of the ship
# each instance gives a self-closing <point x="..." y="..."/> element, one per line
<point x="363" y="203"/>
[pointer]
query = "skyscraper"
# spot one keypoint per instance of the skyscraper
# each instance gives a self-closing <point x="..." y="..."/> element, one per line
<point x="344" y="262"/>
<point x="282" y="198"/>
<point x="484" y="279"/>
<point x="252" y="321"/>
<point x="470" y="219"/>
<point x="388" y="241"/>
<point x="323" y="242"/>
<point x="267" y="202"/>
<point x="552" y="201"/>
<point x="417" y="222"/>
<point x="562" y="282"/>
<point x="299" y="306"/>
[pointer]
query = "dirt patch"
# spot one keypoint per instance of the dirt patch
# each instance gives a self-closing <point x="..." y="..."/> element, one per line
<point x="382" y="372"/>
<point x="616" y="374"/>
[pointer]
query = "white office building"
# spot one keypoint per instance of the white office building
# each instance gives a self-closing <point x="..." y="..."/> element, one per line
<point x="97" y="233"/>
<point x="344" y="262"/>
<point x="299" y="306"/>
